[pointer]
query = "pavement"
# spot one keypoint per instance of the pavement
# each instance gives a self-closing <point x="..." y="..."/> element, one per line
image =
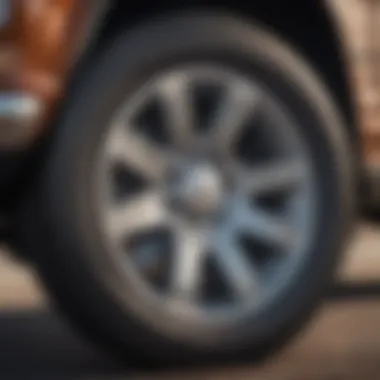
<point x="341" y="342"/>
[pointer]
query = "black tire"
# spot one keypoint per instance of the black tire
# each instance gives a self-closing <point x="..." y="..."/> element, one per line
<point x="59" y="226"/>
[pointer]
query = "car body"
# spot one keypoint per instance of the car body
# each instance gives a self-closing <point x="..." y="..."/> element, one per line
<point x="60" y="62"/>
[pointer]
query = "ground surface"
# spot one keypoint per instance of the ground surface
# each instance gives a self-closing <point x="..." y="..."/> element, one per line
<point x="343" y="341"/>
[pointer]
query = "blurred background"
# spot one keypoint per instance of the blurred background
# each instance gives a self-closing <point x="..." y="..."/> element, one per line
<point x="361" y="26"/>
<point x="343" y="341"/>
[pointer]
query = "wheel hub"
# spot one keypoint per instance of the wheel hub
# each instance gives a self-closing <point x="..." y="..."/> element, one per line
<point x="198" y="190"/>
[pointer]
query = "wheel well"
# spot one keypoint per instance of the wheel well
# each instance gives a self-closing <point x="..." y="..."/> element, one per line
<point x="309" y="26"/>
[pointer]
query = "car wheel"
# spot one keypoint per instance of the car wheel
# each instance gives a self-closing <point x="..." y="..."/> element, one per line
<point x="197" y="193"/>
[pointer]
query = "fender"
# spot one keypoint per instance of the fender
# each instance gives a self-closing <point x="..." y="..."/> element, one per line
<point x="41" y="40"/>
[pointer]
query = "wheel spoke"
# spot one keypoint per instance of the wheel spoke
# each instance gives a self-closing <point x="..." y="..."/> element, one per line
<point x="136" y="215"/>
<point x="239" y="272"/>
<point x="273" y="177"/>
<point x="188" y="263"/>
<point x="179" y="111"/>
<point x="234" y="111"/>
<point x="138" y="153"/>
<point x="266" y="226"/>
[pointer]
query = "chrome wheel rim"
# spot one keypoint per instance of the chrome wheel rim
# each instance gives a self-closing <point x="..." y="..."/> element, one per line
<point x="212" y="231"/>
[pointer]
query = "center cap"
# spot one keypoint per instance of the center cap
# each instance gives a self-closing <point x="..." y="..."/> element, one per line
<point x="199" y="189"/>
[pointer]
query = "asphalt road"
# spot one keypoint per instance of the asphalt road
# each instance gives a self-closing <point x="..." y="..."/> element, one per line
<point x="342" y="342"/>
